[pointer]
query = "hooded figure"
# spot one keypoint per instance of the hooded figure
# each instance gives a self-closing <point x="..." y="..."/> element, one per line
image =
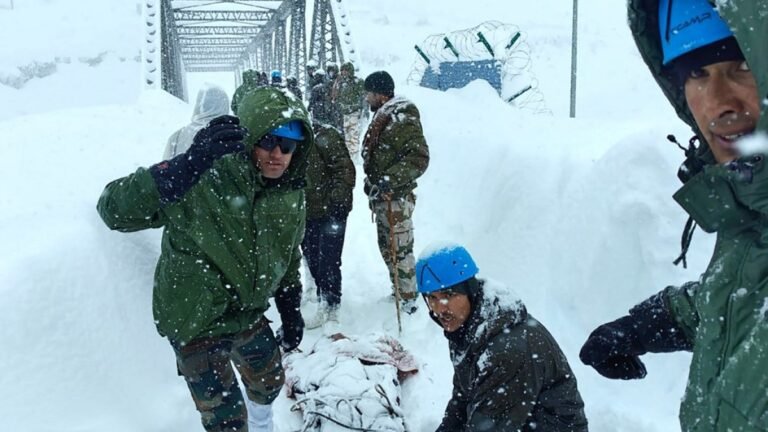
<point x="712" y="65"/>
<point x="212" y="101"/>
<point x="509" y="373"/>
<point x="250" y="82"/>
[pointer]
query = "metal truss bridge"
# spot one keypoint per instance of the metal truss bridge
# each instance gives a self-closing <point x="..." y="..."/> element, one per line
<point x="185" y="36"/>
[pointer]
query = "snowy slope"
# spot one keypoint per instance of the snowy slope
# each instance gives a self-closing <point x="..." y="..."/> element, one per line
<point x="575" y="215"/>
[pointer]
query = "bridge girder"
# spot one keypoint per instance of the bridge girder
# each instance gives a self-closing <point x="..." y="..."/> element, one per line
<point x="234" y="35"/>
<point x="189" y="15"/>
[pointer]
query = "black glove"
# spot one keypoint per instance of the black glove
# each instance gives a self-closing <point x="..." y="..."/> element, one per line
<point x="613" y="349"/>
<point x="289" y="336"/>
<point x="174" y="177"/>
<point x="288" y="302"/>
<point x="338" y="211"/>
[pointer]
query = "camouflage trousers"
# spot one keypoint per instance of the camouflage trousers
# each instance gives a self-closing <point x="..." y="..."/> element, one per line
<point x="352" y="132"/>
<point x="402" y="212"/>
<point x="206" y="365"/>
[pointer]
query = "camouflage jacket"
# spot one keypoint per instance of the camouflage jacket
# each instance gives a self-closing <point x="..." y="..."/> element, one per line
<point x="394" y="148"/>
<point x="349" y="94"/>
<point x="330" y="173"/>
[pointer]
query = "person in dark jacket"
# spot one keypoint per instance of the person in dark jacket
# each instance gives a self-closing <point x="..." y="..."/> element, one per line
<point x="292" y="84"/>
<point x="330" y="181"/>
<point x="712" y="65"/>
<point x="233" y="214"/>
<point x="509" y="372"/>
<point x="320" y="98"/>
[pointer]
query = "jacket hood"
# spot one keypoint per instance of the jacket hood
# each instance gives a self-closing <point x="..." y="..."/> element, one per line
<point x="748" y="19"/>
<point x="266" y="108"/>
<point x="212" y="101"/>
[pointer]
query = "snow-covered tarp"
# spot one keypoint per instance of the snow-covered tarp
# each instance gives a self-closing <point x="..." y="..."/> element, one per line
<point x="350" y="383"/>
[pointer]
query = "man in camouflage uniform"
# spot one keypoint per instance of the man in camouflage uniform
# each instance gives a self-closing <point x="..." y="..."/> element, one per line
<point x="330" y="181"/>
<point x="348" y="94"/>
<point x="232" y="212"/>
<point x="332" y="108"/>
<point x="395" y="154"/>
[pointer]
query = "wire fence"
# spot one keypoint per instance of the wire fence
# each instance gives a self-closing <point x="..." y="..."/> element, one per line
<point x="491" y="40"/>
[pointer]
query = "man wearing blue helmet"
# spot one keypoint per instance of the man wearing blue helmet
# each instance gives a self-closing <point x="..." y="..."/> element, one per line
<point x="233" y="214"/>
<point x="712" y="64"/>
<point x="509" y="372"/>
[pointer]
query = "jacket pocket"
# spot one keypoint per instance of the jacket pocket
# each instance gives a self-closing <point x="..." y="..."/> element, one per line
<point x="743" y="385"/>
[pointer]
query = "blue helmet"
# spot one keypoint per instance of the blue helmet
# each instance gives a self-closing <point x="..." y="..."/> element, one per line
<point x="276" y="74"/>
<point x="294" y="130"/>
<point x="686" y="25"/>
<point x="444" y="267"/>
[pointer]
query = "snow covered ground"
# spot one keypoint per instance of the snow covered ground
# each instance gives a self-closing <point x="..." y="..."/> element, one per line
<point x="574" y="214"/>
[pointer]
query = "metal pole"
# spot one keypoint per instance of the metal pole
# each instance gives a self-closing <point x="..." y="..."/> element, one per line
<point x="574" y="43"/>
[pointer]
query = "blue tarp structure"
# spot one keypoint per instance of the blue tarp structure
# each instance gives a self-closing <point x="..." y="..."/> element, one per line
<point x="460" y="73"/>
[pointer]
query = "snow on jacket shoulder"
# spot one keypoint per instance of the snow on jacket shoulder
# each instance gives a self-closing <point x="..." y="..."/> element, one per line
<point x="509" y="373"/>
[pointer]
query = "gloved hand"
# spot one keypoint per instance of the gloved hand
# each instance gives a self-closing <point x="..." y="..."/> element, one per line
<point x="222" y="136"/>
<point x="338" y="211"/>
<point x="174" y="177"/>
<point x="288" y="303"/>
<point x="613" y="349"/>
<point x="290" y="334"/>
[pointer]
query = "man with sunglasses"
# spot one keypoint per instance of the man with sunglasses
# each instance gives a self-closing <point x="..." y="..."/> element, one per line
<point x="712" y="65"/>
<point x="509" y="373"/>
<point x="233" y="214"/>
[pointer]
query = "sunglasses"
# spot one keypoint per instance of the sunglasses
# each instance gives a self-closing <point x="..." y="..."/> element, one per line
<point x="269" y="142"/>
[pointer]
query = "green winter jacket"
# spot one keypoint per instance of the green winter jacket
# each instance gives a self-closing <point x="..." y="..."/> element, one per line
<point x="330" y="173"/>
<point x="232" y="241"/>
<point x="509" y="374"/>
<point x="725" y="314"/>
<point x="394" y="148"/>
<point x="250" y="82"/>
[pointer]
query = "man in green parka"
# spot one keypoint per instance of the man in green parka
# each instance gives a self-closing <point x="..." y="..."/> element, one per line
<point x="395" y="154"/>
<point x="712" y="64"/>
<point x="232" y="212"/>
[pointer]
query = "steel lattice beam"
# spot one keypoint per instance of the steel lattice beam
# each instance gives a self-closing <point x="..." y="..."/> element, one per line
<point x="221" y="15"/>
<point x="213" y="49"/>
<point x="218" y="30"/>
<point x="171" y="76"/>
<point x="325" y="45"/>
<point x="208" y="41"/>
<point x="209" y="68"/>
<point x="216" y="56"/>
